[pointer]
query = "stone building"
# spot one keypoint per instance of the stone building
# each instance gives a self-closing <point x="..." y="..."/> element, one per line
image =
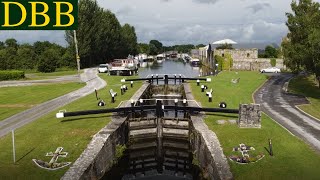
<point x="243" y="59"/>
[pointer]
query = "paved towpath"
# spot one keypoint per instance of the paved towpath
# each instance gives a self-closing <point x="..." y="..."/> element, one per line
<point x="18" y="120"/>
<point x="280" y="106"/>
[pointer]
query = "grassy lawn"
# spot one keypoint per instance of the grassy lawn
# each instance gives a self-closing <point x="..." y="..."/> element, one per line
<point x="16" y="99"/>
<point x="47" y="133"/>
<point x="39" y="75"/>
<point x="293" y="159"/>
<point x="306" y="86"/>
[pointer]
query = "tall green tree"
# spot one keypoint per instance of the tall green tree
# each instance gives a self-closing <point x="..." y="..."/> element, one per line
<point x="270" y="52"/>
<point x="129" y="40"/>
<point x="301" y="48"/>
<point x="155" y="47"/>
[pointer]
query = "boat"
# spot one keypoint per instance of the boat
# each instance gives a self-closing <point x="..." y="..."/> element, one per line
<point x="195" y="62"/>
<point x="150" y="60"/>
<point x="160" y="58"/>
<point x="123" y="67"/>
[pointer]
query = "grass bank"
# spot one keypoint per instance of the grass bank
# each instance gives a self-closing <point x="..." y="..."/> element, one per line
<point x="293" y="159"/>
<point x="47" y="133"/>
<point x="305" y="85"/>
<point x="17" y="99"/>
<point x="38" y="75"/>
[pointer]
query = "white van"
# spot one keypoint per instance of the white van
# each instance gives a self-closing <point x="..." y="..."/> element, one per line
<point x="103" y="68"/>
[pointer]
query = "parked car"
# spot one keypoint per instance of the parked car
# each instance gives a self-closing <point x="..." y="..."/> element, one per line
<point x="270" y="70"/>
<point x="103" y="68"/>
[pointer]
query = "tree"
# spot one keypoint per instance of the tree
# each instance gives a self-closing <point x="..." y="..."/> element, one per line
<point x="11" y="43"/>
<point x="155" y="47"/>
<point x="48" y="60"/>
<point x="301" y="47"/>
<point x="129" y="40"/>
<point x="225" y="46"/>
<point x="270" y="52"/>
<point x="200" y="46"/>
<point x="143" y="48"/>
<point x="26" y="57"/>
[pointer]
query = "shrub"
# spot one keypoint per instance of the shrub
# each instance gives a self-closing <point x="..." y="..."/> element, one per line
<point x="11" y="75"/>
<point x="273" y="62"/>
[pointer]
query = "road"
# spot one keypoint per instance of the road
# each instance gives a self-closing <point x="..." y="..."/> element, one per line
<point x="280" y="106"/>
<point x="18" y="120"/>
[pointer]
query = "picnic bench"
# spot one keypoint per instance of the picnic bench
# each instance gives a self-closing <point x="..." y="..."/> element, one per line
<point x="112" y="93"/>
<point x="235" y="81"/>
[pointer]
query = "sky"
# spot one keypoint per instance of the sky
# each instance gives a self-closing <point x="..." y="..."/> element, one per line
<point x="188" y="21"/>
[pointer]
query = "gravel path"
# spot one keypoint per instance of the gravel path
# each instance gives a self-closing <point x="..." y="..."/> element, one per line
<point x="18" y="120"/>
<point x="280" y="106"/>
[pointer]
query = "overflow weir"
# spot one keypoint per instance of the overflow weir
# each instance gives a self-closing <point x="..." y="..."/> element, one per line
<point x="159" y="134"/>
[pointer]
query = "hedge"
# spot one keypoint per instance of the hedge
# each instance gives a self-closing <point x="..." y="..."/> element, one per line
<point x="11" y="75"/>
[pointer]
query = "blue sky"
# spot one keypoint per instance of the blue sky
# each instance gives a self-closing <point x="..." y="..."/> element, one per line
<point x="189" y="21"/>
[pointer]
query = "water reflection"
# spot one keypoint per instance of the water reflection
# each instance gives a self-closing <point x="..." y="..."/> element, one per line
<point x="170" y="67"/>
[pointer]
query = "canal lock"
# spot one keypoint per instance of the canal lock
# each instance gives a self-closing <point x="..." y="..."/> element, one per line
<point x="158" y="142"/>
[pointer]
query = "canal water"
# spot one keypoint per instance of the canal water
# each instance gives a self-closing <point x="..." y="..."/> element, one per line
<point x="170" y="67"/>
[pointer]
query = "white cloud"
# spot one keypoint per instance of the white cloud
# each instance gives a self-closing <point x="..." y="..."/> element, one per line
<point x="189" y="21"/>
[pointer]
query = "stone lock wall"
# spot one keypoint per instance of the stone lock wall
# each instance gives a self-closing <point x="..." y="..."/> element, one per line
<point x="249" y="116"/>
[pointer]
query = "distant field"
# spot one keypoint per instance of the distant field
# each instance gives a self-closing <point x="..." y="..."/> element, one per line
<point x="293" y="159"/>
<point x="47" y="133"/>
<point x="16" y="99"/>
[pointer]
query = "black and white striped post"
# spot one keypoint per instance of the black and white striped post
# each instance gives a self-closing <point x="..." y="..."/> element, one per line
<point x="202" y="88"/>
<point x="112" y="98"/>
<point x="184" y="112"/>
<point x="198" y="82"/>
<point x="176" y="104"/>
<point x="141" y="104"/>
<point x="131" y="83"/>
<point x="121" y="87"/>
<point x="210" y="97"/>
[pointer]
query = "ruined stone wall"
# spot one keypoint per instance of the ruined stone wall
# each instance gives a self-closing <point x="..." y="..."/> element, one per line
<point x="255" y="64"/>
<point x="249" y="116"/>
<point x="238" y="53"/>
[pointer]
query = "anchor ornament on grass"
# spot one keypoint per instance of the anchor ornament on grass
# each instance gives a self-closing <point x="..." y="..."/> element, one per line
<point x="53" y="164"/>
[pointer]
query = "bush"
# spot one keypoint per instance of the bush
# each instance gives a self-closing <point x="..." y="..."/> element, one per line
<point x="273" y="62"/>
<point x="11" y="75"/>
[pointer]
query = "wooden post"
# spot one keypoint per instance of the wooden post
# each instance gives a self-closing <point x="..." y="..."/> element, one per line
<point x="13" y="147"/>
<point x="95" y="90"/>
<point x="270" y="148"/>
<point x="157" y="79"/>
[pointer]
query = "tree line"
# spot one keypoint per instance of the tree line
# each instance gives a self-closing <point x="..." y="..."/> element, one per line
<point x="41" y="56"/>
<point x="301" y="47"/>
<point x="156" y="47"/>
<point x="100" y="36"/>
